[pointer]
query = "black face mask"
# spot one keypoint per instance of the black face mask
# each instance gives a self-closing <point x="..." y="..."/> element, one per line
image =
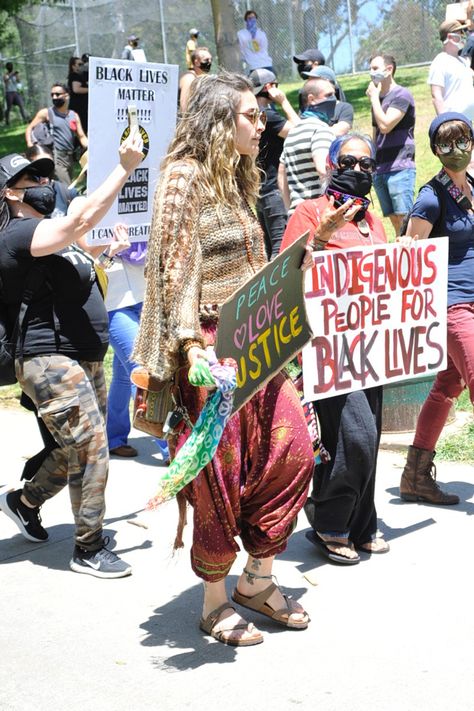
<point x="41" y="198"/>
<point x="59" y="102"/>
<point x="205" y="66"/>
<point x="304" y="67"/>
<point x="324" y="110"/>
<point x="351" y="184"/>
<point x="264" y="94"/>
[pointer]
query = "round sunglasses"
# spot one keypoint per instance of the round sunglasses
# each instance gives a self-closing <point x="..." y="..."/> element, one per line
<point x="462" y="144"/>
<point x="349" y="162"/>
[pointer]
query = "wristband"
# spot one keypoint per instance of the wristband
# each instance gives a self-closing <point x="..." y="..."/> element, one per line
<point x="190" y="343"/>
<point x="104" y="260"/>
<point x="318" y="244"/>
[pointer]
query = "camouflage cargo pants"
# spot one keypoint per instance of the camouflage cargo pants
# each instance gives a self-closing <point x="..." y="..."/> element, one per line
<point x="70" y="397"/>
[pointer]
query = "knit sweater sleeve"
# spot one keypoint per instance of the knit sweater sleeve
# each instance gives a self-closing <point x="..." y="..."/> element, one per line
<point x="173" y="273"/>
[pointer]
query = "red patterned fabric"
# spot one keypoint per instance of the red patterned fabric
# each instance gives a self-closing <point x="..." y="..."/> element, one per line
<point x="257" y="482"/>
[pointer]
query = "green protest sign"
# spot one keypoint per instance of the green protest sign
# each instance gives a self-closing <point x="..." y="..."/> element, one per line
<point x="263" y="324"/>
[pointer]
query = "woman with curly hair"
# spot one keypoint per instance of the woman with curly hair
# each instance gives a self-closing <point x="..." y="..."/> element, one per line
<point x="205" y="243"/>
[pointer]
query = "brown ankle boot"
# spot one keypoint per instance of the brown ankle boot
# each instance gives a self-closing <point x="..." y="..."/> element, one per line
<point x="418" y="482"/>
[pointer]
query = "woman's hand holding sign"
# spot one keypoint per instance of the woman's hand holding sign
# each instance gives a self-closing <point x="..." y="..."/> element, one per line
<point x="131" y="150"/>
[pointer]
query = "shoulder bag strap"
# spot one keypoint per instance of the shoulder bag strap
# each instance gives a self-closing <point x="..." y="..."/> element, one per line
<point x="51" y="120"/>
<point x="36" y="277"/>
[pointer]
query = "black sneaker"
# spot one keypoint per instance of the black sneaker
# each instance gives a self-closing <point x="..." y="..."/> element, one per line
<point x="28" y="520"/>
<point x="102" y="563"/>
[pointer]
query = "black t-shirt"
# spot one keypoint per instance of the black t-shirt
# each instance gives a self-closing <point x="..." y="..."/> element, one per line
<point x="79" y="102"/>
<point x="67" y="314"/>
<point x="343" y="112"/>
<point x="271" y="146"/>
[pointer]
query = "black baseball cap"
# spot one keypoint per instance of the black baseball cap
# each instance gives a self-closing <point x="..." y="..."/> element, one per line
<point x="310" y="55"/>
<point x="13" y="166"/>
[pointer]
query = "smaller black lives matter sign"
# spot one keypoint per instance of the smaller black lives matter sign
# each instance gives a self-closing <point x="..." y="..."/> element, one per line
<point x="133" y="197"/>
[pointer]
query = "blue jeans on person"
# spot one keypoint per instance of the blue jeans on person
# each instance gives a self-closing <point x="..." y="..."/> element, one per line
<point x="395" y="191"/>
<point x="123" y="326"/>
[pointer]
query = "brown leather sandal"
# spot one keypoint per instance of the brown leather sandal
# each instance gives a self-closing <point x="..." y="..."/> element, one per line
<point x="258" y="603"/>
<point x="207" y="625"/>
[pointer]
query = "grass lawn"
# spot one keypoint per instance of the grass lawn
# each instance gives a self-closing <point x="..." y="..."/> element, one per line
<point x="12" y="138"/>
<point x="414" y="78"/>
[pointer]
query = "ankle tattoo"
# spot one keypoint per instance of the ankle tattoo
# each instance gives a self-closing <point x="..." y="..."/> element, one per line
<point x="253" y="576"/>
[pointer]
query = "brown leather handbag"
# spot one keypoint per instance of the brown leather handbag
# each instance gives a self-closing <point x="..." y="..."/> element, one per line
<point x="154" y="401"/>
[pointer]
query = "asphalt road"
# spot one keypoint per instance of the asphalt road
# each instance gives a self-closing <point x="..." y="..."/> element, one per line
<point x="394" y="633"/>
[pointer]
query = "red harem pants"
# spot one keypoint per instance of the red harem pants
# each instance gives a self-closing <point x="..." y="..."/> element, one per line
<point x="257" y="482"/>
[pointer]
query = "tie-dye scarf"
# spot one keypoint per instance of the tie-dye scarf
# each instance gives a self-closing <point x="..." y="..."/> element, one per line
<point x="201" y="445"/>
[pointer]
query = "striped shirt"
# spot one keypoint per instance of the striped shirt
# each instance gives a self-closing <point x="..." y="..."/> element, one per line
<point x="301" y="144"/>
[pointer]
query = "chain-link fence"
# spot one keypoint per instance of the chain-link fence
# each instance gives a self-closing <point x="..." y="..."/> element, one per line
<point x="44" y="36"/>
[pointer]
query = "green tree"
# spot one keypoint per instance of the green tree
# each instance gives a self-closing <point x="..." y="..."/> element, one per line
<point x="225" y="30"/>
<point x="408" y="31"/>
<point x="10" y="7"/>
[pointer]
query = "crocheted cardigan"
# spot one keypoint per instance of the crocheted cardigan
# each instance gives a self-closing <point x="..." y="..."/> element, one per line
<point x="198" y="256"/>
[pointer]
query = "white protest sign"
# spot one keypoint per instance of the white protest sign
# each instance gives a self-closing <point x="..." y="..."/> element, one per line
<point x="378" y="315"/>
<point x="114" y="84"/>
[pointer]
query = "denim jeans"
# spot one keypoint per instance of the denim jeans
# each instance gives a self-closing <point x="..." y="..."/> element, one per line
<point x="449" y="383"/>
<point x="395" y="191"/>
<point x="123" y="327"/>
<point x="273" y="217"/>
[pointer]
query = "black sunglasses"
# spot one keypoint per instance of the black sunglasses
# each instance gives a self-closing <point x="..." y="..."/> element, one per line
<point x="34" y="177"/>
<point x="349" y="162"/>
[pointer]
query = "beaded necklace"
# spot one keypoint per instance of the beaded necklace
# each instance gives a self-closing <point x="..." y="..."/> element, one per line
<point x="247" y="223"/>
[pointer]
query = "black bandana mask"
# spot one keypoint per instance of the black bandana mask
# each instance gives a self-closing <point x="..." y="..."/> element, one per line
<point x="304" y="68"/>
<point x="351" y="185"/>
<point x="324" y="110"/>
<point x="41" y="198"/>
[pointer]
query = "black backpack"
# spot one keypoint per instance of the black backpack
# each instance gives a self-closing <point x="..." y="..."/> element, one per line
<point x="10" y="333"/>
<point x="42" y="133"/>
<point x="439" y="227"/>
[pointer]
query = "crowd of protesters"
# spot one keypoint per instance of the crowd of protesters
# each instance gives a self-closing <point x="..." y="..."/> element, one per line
<point x="245" y="175"/>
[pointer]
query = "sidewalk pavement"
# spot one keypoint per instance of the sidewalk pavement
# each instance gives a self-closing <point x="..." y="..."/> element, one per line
<point x="394" y="633"/>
